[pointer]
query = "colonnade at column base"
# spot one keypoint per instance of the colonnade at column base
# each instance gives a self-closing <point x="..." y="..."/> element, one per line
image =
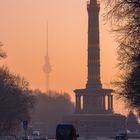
<point x="93" y="101"/>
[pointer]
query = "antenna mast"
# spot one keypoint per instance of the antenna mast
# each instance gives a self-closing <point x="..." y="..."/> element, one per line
<point x="47" y="66"/>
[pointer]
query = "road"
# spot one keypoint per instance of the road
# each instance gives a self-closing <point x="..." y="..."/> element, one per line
<point x="101" y="138"/>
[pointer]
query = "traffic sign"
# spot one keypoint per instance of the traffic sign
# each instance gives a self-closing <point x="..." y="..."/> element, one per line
<point x="25" y="124"/>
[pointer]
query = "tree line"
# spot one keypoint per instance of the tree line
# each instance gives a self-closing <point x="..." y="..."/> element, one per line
<point x="16" y="99"/>
<point x="124" y="17"/>
<point x="49" y="111"/>
<point x="19" y="103"/>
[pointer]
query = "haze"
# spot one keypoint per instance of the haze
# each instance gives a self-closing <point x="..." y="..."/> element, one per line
<point x="23" y="33"/>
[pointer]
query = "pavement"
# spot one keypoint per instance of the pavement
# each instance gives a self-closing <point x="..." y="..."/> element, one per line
<point x="101" y="138"/>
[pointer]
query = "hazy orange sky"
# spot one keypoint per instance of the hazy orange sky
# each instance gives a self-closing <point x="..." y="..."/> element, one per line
<point x="23" y="33"/>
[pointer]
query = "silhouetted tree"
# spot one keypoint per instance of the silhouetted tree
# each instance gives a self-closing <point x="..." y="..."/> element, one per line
<point x="2" y="52"/>
<point x="125" y="20"/>
<point x="15" y="101"/>
<point x="50" y="110"/>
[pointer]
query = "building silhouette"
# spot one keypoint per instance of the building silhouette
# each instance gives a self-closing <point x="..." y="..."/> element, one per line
<point x="94" y="104"/>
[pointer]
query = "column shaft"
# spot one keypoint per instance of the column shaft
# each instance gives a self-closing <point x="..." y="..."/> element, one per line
<point x="111" y="100"/>
<point x="103" y="103"/>
<point x="78" y="104"/>
<point x="109" y="103"/>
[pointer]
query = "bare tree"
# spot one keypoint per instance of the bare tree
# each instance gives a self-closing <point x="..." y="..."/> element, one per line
<point x="15" y="101"/>
<point x="2" y="52"/>
<point x="124" y="16"/>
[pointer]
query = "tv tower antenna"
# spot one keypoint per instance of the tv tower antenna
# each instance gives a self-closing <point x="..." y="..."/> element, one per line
<point x="47" y="66"/>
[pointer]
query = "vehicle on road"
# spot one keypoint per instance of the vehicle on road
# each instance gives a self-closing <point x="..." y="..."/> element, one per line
<point x="66" y="132"/>
<point x="121" y="137"/>
<point x="44" y="138"/>
<point x="30" y="138"/>
<point x="36" y="135"/>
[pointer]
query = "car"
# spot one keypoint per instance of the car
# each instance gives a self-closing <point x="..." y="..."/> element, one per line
<point x="36" y="135"/>
<point x="30" y="138"/>
<point x="121" y="137"/>
<point x="66" y="132"/>
<point x="44" y="138"/>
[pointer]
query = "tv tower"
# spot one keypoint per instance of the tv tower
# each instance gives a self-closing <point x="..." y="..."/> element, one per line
<point x="47" y="66"/>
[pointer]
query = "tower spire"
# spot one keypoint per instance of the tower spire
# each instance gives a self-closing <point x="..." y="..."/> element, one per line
<point x="47" y="66"/>
<point x="47" y="39"/>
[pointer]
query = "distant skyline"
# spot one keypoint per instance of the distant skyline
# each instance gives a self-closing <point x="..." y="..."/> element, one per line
<point x="23" y="33"/>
